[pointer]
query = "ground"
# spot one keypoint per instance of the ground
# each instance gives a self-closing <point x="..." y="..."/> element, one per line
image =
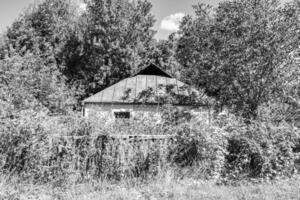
<point x="187" y="189"/>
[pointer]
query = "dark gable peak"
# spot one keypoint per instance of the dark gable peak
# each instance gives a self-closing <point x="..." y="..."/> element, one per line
<point x="153" y="70"/>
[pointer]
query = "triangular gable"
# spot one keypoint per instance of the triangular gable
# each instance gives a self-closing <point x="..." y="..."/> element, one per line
<point x="153" y="70"/>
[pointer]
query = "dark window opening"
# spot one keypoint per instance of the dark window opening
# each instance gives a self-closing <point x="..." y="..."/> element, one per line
<point x="122" y="115"/>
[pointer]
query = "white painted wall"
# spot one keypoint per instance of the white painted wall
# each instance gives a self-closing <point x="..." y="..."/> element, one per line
<point x="106" y="111"/>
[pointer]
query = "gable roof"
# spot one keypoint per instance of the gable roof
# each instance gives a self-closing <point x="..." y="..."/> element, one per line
<point x="129" y="90"/>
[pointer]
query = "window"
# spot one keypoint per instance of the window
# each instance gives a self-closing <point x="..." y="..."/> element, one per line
<point x="122" y="115"/>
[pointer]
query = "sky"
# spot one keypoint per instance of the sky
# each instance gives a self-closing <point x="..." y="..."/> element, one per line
<point x="168" y="13"/>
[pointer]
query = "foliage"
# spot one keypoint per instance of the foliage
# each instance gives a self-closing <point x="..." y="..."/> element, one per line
<point x="244" y="158"/>
<point x="30" y="48"/>
<point x="162" y="53"/>
<point x="43" y="148"/>
<point x="23" y="143"/>
<point x="27" y="83"/>
<point x="91" y="48"/>
<point x="172" y="115"/>
<point x="200" y="146"/>
<point x="52" y="148"/>
<point x="172" y="94"/>
<point x="262" y="150"/>
<point x="115" y="36"/>
<point x="240" y="51"/>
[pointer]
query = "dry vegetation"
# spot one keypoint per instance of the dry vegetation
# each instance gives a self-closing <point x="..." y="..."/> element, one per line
<point x="164" y="188"/>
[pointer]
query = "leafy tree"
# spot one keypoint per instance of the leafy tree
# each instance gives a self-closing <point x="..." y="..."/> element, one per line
<point x="27" y="83"/>
<point x="89" y="49"/>
<point x="162" y="53"/>
<point x="46" y="24"/>
<point x="238" y="50"/>
<point x="115" y="38"/>
<point x="286" y="104"/>
<point x="31" y="48"/>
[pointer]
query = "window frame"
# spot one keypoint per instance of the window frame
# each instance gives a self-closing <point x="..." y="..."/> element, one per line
<point x="122" y="114"/>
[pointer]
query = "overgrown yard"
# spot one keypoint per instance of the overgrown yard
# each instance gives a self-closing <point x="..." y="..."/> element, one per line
<point x="164" y="188"/>
<point x="228" y="160"/>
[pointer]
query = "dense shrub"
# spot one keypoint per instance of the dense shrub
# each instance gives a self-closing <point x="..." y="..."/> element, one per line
<point x="23" y="146"/>
<point x="236" y="150"/>
<point x="34" y="145"/>
<point x="262" y="150"/>
<point x="173" y="115"/>
<point x="277" y="144"/>
<point x="244" y="158"/>
<point x="200" y="146"/>
<point x="45" y="148"/>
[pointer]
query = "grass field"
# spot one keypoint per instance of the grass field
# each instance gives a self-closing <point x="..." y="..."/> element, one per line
<point x="167" y="188"/>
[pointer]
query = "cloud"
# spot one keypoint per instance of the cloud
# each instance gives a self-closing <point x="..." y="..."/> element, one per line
<point x="172" y="22"/>
<point x="82" y="6"/>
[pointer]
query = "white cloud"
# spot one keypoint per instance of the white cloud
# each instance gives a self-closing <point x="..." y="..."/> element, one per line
<point x="172" y="22"/>
<point x="82" y="6"/>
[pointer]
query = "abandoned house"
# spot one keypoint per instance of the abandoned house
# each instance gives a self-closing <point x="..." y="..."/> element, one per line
<point x="144" y="92"/>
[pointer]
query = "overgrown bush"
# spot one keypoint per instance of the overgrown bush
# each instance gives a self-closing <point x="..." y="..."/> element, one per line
<point x="277" y="143"/>
<point x="49" y="148"/>
<point x="236" y="150"/>
<point x="262" y="150"/>
<point x="244" y="158"/>
<point x="201" y="147"/>
<point x="23" y="146"/>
